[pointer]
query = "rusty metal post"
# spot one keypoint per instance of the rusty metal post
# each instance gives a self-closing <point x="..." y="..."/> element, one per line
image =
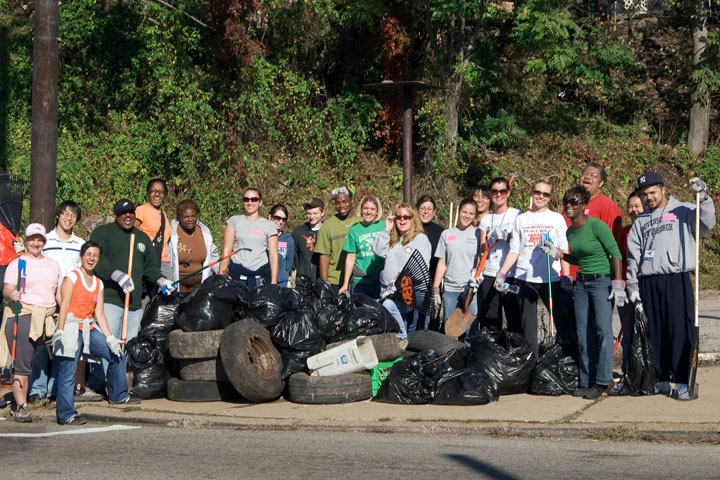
<point x="407" y="144"/>
<point x="43" y="150"/>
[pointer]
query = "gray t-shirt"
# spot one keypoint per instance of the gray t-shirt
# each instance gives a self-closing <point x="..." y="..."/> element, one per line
<point x="251" y="238"/>
<point x="458" y="248"/>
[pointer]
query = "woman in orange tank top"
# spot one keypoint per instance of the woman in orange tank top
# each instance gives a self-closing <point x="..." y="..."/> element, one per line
<point x="78" y="333"/>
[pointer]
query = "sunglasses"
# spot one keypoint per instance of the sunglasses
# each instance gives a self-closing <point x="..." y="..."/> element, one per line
<point x="251" y="199"/>
<point x="403" y="217"/>
<point x="542" y="194"/>
<point x="278" y="218"/>
<point x="503" y="191"/>
<point x="571" y="201"/>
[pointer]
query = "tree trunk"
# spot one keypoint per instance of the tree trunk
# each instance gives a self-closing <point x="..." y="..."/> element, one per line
<point x="700" y="95"/>
<point x="455" y="83"/>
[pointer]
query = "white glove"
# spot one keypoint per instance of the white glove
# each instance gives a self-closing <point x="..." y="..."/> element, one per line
<point x="475" y="282"/>
<point x="492" y="236"/>
<point x="634" y="293"/>
<point x="550" y="248"/>
<point x="124" y="280"/>
<point x="499" y="283"/>
<point x="166" y="286"/>
<point x="19" y="246"/>
<point x="114" y="345"/>
<point x="437" y="298"/>
<point x="57" y="340"/>
<point x="700" y="187"/>
<point x="618" y="291"/>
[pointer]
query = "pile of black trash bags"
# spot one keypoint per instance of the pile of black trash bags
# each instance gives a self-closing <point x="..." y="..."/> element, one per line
<point x="502" y="363"/>
<point x="301" y="322"/>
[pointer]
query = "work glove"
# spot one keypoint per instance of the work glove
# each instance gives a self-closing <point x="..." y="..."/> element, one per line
<point x="57" y="340"/>
<point x="499" y="283"/>
<point x="124" y="280"/>
<point x="502" y="234"/>
<point x="437" y="298"/>
<point x="700" y="187"/>
<point x="475" y="282"/>
<point x="166" y="286"/>
<point x="634" y="293"/>
<point x="19" y="246"/>
<point x="492" y="236"/>
<point x="114" y="345"/>
<point x="550" y="248"/>
<point x="618" y="291"/>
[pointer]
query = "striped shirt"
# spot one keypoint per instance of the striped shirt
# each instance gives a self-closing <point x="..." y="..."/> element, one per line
<point x="66" y="254"/>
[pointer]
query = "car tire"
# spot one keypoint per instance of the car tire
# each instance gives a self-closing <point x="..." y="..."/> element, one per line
<point x="194" y="345"/>
<point x="198" y="391"/>
<point x="310" y="389"/>
<point x="204" y="370"/>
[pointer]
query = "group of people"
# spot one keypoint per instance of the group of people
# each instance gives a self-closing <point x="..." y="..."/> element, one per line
<point x="74" y="301"/>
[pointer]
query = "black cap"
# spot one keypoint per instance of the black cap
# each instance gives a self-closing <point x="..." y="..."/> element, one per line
<point x="649" y="179"/>
<point x="123" y="206"/>
<point x="314" y="203"/>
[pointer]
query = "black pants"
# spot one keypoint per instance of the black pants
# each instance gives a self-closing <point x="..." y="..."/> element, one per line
<point x="527" y="300"/>
<point x="669" y="303"/>
<point x="491" y="304"/>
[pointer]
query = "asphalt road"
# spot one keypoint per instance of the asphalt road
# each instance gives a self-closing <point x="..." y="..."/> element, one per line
<point x="169" y="453"/>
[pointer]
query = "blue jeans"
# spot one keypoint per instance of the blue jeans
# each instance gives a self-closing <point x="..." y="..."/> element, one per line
<point x="40" y="384"/>
<point x="403" y="315"/>
<point x="117" y="388"/>
<point x="114" y="315"/>
<point x="372" y="290"/>
<point x="451" y="302"/>
<point x="593" y="315"/>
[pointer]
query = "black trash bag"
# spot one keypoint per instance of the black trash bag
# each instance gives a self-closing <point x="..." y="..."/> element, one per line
<point x="468" y="388"/>
<point x="210" y="307"/>
<point x="330" y="321"/>
<point x="297" y="330"/>
<point x="158" y="319"/>
<point x="415" y="378"/>
<point x="365" y="317"/>
<point x="266" y="304"/>
<point x="513" y="352"/>
<point x="294" y="361"/>
<point x="141" y="353"/>
<point x="324" y="292"/>
<point x="150" y="382"/>
<point x="294" y="298"/>
<point x="639" y="379"/>
<point x="556" y="373"/>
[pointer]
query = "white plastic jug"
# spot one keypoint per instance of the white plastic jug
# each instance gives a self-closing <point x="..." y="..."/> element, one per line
<point x="353" y="356"/>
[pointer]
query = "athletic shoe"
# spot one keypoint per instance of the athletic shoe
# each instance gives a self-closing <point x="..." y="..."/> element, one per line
<point x="662" y="388"/>
<point x="595" y="392"/>
<point x="129" y="400"/>
<point x="681" y="392"/>
<point x="76" y="420"/>
<point x="87" y="395"/>
<point x="21" y="414"/>
<point x="34" y="398"/>
<point x="580" y="392"/>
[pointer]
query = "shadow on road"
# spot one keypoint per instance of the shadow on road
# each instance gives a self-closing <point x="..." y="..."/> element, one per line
<point x="482" y="467"/>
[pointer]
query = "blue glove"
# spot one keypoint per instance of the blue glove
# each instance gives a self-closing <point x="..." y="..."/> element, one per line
<point x="124" y="280"/>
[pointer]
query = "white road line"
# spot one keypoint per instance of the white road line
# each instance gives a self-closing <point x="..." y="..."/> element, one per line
<point x="68" y="432"/>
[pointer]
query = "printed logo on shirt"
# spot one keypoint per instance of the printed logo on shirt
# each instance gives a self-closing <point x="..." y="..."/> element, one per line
<point x="653" y="227"/>
<point x="309" y="242"/>
<point x="141" y="247"/>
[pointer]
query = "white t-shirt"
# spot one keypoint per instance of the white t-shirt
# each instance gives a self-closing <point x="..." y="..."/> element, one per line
<point x="527" y="237"/>
<point x="458" y="248"/>
<point x="503" y="222"/>
<point x="251" y="238"/>
<point x="66" y="254"/>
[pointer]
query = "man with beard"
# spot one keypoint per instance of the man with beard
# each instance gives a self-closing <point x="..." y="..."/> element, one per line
<point x="331" y="239"/>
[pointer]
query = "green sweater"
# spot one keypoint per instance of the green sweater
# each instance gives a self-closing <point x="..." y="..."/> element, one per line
<point x="115" y="249"/>
<point x="591" y="247"/>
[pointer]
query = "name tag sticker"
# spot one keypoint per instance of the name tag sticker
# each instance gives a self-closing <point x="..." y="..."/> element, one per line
<point x="257" y="233"/>
<point x="669" y="217"/>
<point x="451" y="238"/>
<point x="649" y="254"/>
<point x="587" y="211"/>
<point x="282" y="244"/>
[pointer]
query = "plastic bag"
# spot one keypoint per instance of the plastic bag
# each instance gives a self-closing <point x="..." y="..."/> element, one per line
<point x="556" y="373"/>
<point x="210" y="307"/>
<point x="516" y="356"/>
<point x="266" y="305"/>
<point x="414" y="379"/>
<point x="150" y="382"/>
<point x="468" y="388"/>
<point x="639" y="378"/>
<point x="158" y="319"/>
<point x="297" y="338"/>
<point x="142" y="354"/>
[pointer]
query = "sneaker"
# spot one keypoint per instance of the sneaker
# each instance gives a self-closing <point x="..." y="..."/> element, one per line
<point x="595" y="392"/>
<point x="580" y="392"/>
<point x="129" y="400"/>
<point x="87" y="395"/>
<point x="21" y="414"/>
<point x="34" y="398"/>
<point x="681" y="392"/>
<point x="662" y="388"/>
<point x="76" y="420"/>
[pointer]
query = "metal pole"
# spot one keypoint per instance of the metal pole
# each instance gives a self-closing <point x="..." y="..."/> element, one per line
<point x="407" y="143"/>
<point x="43" y="150"/>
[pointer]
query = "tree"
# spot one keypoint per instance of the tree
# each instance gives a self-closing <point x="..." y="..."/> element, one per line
<point x="700" y="94"/>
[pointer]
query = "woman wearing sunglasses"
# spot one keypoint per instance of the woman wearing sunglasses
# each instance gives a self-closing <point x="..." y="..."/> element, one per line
<point x="256" y="240"/>
<point x="592" y="245"/>
<point x="286" y="244"/>
<point x="532" y="274"/>
<point x="361" y="264"/>
<point x="403" y="235"/>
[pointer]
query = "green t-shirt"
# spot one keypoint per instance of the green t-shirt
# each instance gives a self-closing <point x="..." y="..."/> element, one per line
<point x="359" y="241"/>
<point x="330" y="241"/>
<point x="591" y="247"/>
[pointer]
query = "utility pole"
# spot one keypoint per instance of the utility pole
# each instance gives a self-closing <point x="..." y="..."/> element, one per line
<point x="43" y="149"/>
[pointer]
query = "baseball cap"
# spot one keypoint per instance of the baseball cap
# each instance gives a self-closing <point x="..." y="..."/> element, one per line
<point x="35" y="229"/>
<point x="314" y="203"/>
<point x="123" y="206"/>
<point x="649" y="179"/>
